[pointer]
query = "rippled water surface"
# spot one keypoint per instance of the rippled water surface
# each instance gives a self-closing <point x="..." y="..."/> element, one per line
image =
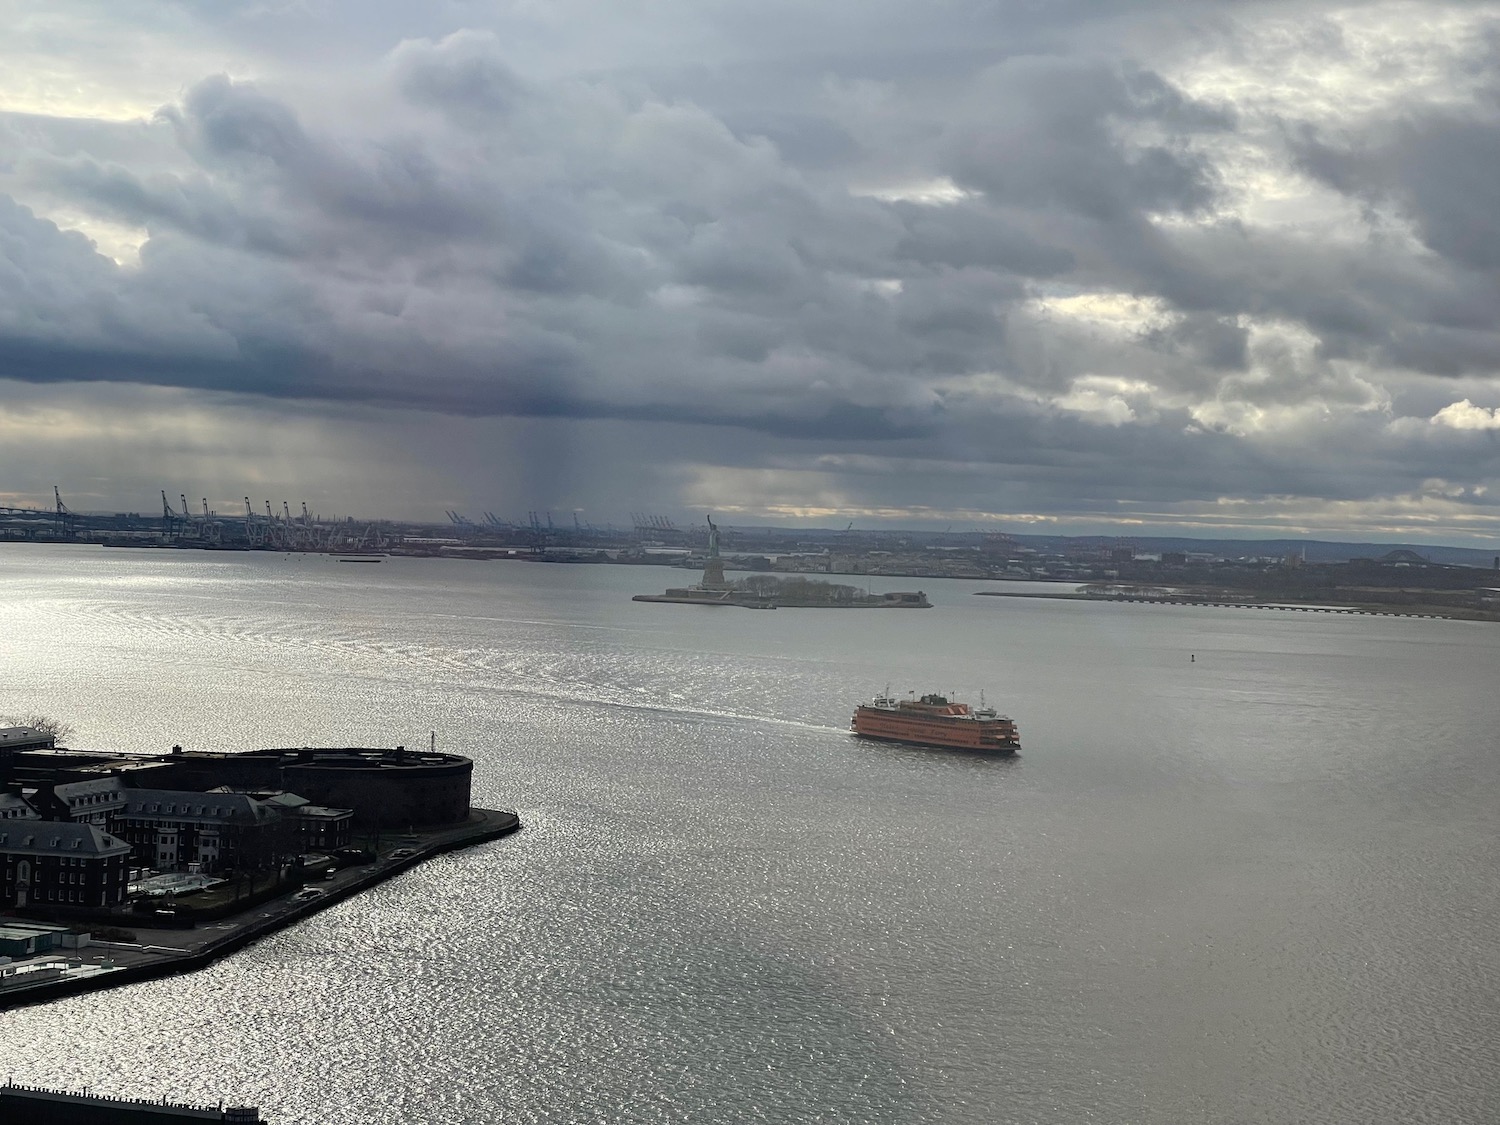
<point x="1255" y="887"/>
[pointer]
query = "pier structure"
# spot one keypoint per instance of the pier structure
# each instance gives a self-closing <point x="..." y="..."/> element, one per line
<point x="1207" y="603"/>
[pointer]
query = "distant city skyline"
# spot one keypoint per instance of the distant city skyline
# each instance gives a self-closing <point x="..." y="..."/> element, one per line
<point x="1159" y="267"/>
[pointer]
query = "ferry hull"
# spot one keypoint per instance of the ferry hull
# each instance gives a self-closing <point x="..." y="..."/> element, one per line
<point x="1004" y="750"/>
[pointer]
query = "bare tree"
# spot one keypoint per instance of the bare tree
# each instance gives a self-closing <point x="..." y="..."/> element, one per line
<point x="46" y="724"/>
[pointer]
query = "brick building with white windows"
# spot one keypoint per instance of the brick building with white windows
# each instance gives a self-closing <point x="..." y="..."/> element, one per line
<point x="170" y="829"/>
<point x="57" y="863"/>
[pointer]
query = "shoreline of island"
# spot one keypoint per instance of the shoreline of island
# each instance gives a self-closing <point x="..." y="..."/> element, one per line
<point x="120" y="867"/>
<point x="142" y="960"/>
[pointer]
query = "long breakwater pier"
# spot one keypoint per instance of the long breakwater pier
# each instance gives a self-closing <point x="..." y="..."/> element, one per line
<point x="1210" y="603"/>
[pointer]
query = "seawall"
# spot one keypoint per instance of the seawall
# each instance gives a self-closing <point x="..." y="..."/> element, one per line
<point x="195" y="949"/>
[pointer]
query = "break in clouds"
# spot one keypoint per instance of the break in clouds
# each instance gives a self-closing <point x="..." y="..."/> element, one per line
<point x="1204" y="265"/>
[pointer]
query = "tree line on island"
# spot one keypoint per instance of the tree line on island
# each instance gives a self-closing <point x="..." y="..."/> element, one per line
<point x="800" y="590"/>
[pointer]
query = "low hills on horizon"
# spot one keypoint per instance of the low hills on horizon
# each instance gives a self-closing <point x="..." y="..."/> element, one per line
<point x="1311" y="550"/>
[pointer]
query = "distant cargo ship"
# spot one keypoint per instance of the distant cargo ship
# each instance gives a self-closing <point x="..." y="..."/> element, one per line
<point x="934" y="720"/>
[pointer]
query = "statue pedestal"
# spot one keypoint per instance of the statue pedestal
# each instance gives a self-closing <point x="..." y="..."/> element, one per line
<point x="713" y="576"/>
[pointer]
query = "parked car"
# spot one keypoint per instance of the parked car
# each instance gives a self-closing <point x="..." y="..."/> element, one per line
<point x="307" y="893"/>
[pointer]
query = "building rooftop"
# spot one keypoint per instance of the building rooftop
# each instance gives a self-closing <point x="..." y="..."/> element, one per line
<point x="324" y="812"/>
<point x="101" y="792"/>
<point x="57" y="837"/>
<point x="357" y="757"/>
<point x="186" y="805"/>
<point x="94" y="785"/>
<point x="13" y="806"/>
<point x="15" y="929"/>
<point x="285" y="800"/>
<point x="24" y="738"/>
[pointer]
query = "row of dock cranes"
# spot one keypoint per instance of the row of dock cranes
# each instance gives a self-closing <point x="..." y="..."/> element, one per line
<point x="539" y="525"/>
<point x="458" y="519"/>
<point x="274" y="531"/>
<point x="268" y="527"/>
<point x="540" y="529"/>
<point x="185" y="525"/>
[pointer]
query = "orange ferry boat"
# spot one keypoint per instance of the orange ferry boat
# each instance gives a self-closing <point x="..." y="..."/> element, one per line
<point x="934" y="720"/>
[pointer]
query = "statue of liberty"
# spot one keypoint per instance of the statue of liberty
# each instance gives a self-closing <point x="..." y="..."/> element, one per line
<point x="713" y="570"/>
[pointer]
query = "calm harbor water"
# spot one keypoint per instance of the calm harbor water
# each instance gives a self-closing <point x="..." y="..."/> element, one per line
<point x="1255" y="887"/>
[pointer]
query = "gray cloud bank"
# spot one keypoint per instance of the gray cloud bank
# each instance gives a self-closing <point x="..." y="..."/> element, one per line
<point x="1021" y="257"/>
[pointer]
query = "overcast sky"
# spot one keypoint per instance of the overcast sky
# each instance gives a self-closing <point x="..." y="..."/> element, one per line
<point x="1120" y="266"/>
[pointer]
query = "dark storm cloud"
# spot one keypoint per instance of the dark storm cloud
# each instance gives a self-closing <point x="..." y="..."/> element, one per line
<point x="1437" y="165"/>
<point x="465" y="76"/>
<point x="675" y="200"/>
<point x="1024" y="233"/>
<point x="1439" y="169"/>
<point x="1047" y="136"/>
<point x="975" y="233"/>
<point x="256" y="143"/>
<point x="68" y="317"/>
<point x="1212" y="342"/>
